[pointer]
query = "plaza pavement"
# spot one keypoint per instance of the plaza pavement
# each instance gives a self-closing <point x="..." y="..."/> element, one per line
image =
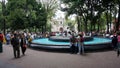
<point x="49" y="59"/>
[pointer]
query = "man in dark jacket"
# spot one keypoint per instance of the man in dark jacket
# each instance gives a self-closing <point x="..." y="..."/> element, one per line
<point x="114" y="42"/>
<point x="72" y="44"/>
<point x="16" y="47"/>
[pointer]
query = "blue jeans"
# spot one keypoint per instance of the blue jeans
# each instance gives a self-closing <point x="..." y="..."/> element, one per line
<point x="80" y="47"/>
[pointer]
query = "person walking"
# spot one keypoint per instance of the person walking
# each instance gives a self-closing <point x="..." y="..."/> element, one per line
<point x="23" y="43"/>
<point x="80" y="44"/>
<point x="114" y="41"/>
<point x="118" y="44"/>
<point x="15" y="44"/>
<point x="8" y="38"/>
<point x="72" y="44"/>
<point x="1" y="42"/>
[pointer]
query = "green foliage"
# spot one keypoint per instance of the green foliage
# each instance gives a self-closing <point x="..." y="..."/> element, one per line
<point x="17" y="19"/>
<point x="1" y="16"/>
<point x="49" y="9"/>
<point x="50" y="6"/>
<point x="22" y="14"/>
<point x="70" y="23"/>
<point x="41" y="17"/>
<point x="27" y="14"/>
<point x="90" y="11"/>
<point x="0" y="7"/>
<point x="16" y="14"/>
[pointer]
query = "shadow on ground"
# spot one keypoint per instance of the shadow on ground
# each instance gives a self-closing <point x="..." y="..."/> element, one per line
<point x="67" y="50"/>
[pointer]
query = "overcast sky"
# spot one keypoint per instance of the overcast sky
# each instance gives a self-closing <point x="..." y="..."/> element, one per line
<point x="1" y="0"/>
<point x="5" y="0"/>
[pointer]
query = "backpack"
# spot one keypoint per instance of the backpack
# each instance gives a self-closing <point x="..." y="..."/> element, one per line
<point x="15" y="41"/>
<point x="73" y="39"/>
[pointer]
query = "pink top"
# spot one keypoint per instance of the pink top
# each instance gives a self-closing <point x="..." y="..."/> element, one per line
<point x="118" y="38"/>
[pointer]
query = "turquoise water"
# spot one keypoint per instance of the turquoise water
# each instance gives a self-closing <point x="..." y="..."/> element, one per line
<point x="46" y="41"/>
<point x="49" y="42"/>
<point x="99" y="41"/>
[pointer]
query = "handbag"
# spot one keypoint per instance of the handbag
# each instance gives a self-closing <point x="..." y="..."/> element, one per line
<point x="25" y="45"/>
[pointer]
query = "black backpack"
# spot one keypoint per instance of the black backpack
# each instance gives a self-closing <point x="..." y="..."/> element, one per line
<point x="73" y="39"/>
<point x="15" y="41"/>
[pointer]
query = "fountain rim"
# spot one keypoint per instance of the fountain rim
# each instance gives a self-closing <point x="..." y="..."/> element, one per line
<point x="87" y="46"/>
<point x="67" y="39"/>
<point x="108" y="42"/>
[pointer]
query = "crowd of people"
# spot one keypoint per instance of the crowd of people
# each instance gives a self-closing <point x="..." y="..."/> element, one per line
<point x="17" y="40"/>
<point x="23" y="39"/>
<point x="77" y="43"/>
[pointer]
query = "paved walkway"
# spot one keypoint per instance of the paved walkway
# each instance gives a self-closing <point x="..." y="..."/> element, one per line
<point x="44" y="59"/>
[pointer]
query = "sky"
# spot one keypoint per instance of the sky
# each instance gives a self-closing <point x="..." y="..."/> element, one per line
<point x="5" y="0"/>
<point x="1" y="0"/>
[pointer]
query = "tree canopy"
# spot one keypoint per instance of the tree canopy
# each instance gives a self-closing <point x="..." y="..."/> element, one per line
<point x="91" y="11"/>
<point x="90" y="14"/>
<point x="23" y="14"/>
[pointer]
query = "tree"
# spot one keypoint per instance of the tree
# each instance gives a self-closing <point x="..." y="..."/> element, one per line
<point x="107" y="4"/>
<point x="1" y="17"/>
<point x="90" y="11"/>
<point x="41" y="18"/>
<point x="75" y="7"/>
<point x="50" y="7"/>
<point x="31" y="8"/>
<point x="117" y="3"/>
<point x="26" y="14"/>
<point x="16" y="14"/>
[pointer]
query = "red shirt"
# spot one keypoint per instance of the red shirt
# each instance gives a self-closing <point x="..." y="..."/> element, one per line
<point x="81" y="39"/>
<point x="1" y="37"/>
<point x="118" y="38"/>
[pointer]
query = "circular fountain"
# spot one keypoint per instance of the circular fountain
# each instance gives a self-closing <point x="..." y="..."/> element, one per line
<point x="63" y="42"/>
<point x="67" y="39"/>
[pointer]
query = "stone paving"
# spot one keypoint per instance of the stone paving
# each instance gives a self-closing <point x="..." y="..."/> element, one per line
<point x="46" y="59"/>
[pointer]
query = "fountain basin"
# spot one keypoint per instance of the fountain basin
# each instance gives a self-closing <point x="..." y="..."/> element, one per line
<point x="95" y="43"/>
<point x="67" y="39"/>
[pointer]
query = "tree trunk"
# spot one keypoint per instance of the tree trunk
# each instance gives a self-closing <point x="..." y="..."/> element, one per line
<point x="115" y="21"/>
<point x="98" y="23"/>
<point x="118" y="22"/>
<point x="94" y="26"/>
<point x="78" y="23"/>
<point x="107" y="22"/>
<point x="42" y="29"/>
<point x="98" y="27"/>
<point x="4" y="28"/>
<point x="85" y="26"/>
<point x="4" y="13"/>
<point x="91" y="14"/>
<point x="86" y="29"/>
<point x="110" y="18"/>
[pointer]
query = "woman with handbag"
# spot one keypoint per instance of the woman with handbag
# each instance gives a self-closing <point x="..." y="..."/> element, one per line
<point x="23" y="43"/>
<point x="118" y="44"/>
